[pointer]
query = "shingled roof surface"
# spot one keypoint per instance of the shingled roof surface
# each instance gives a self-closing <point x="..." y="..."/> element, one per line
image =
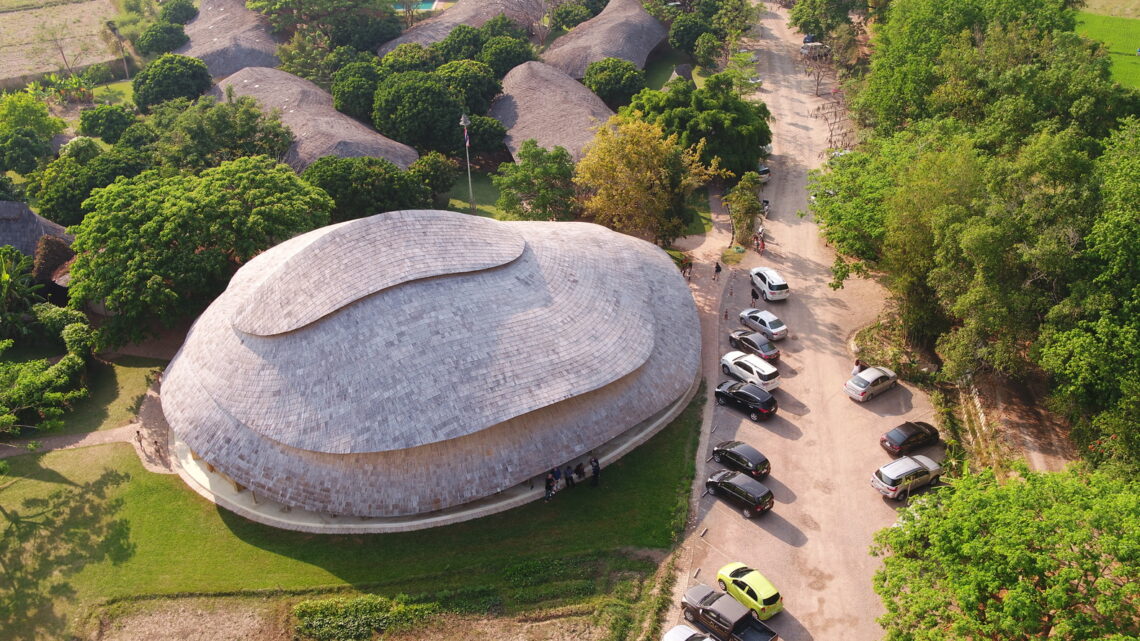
<point x="472" y="13"/>
<point x="307" y="110"/>
<point x="419" y="360"/>
<point x="21" y="228"/>
<point x="228" y="37"/>
<point x="622" y="30"/>
<point x="541" y="102"/>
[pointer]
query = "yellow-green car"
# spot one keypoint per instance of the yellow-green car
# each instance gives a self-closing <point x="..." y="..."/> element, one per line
<point x="750" y="588"/>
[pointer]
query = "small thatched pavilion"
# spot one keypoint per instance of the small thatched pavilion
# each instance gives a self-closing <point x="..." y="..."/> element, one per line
<point x="472" y="13"/>
<point x="541" y="102"/>
<point x="624" y="29"/>
<point x="228" y="37"/>
<point x="318" y="129"/>
<point x="415" y="361"/>
<point x="22" y="228"/>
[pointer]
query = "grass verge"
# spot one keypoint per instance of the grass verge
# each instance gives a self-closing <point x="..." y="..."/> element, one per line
<point x="140" y="535"/>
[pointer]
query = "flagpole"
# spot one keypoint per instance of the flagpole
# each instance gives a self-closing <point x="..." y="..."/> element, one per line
<point x="464" y="121"/>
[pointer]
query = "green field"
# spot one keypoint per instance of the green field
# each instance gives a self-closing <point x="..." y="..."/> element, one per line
<point x="97" y="526"/>
<point x="1121" y="37"/>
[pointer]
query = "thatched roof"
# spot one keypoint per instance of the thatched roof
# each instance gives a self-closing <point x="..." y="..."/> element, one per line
<point x="21" y="228"/>
<point x="318" y="129"/>
<point x="472" y="13"/>
<point x="228" y="37"/>
<point x="622" y="30"/>
<point x="541" y="102"/>
<point x="419" y="360"/>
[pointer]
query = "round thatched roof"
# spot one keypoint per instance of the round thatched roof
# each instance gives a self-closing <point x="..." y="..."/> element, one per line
<point x="472" y="13"/>
<point x="22" y="228"/>
<point x="420" y="360"/>
<point x="228" y="37"/>
<point x="541" y="102"/>
<point x="318" y="129"/>
<point x="622" y="30"/>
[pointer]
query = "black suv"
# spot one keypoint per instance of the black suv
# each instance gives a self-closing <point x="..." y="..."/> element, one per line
<point x="743" y="458"/>
<point x="756" y="402"/>
<point x="723" y="615"/>
<point x="750" y="495"/>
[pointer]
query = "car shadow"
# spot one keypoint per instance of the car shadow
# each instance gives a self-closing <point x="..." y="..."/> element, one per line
<point x="782" y="493"/>
<point x="789" y="627"/>
<point x="776" y="525"/>
<point x="781" y="426"/>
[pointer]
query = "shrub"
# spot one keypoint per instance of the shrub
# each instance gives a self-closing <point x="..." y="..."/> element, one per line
<point x="106" y="121"/>
<point x="161" y="37"/>
<point x="178" y="11"/>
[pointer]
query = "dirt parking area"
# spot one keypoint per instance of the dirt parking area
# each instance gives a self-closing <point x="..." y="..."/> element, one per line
<point x="23" y="50"/>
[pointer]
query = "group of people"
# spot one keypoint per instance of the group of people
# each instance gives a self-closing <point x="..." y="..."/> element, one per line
<point x="556" y="477"/>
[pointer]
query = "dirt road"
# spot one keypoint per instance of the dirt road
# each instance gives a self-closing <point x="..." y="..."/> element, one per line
<point x="814" y="544"/>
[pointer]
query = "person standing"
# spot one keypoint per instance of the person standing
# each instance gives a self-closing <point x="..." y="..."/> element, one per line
<point x="716" y="271"/>
<point x="595" y="471"/>
<point x="569" y="474"/>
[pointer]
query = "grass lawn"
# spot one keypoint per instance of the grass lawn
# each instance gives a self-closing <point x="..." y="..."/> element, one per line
<point x="115" y="93"/>
<point x="485" y="196"/>
<point x="130" y="533"/>
<point x="1121" y="37"/>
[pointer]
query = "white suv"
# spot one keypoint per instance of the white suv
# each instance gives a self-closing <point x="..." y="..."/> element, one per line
<point x="770" y="283"/>
<point x="750" y="368"/>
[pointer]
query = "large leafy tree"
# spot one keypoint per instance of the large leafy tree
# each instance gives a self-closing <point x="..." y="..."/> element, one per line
<point x="637" y="179"/>
<point x="419" y="109"/>
<point x="365" y="186"/>
<point x="157" y="248"/>
<point x="169" y="76"/>
<point x="734" y="129"/>
<point x="206" y="133"/>
<point x="539" y="185"/>
<point x="1039" y="556"/>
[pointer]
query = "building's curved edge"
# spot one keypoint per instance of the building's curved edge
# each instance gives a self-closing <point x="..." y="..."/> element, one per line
<point x="244" y="503"/>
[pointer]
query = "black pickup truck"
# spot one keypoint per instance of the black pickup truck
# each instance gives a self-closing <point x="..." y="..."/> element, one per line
<point x="723" y="615"/>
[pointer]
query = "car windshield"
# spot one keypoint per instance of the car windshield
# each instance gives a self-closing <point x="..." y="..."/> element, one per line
<point x="778" y="287"/>
<point x="776" y="323"/>
<point x="860" y="382"/>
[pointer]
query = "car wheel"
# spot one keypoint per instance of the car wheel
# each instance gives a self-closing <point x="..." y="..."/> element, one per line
<point x="717" y="457"/>
<point x="755" y="416"/>
<point x="689" y="616"/>
<point x="720" y="400"/>
<point x="722" y="585"/>
<point x="724" y="368"/>
<point x="746" y="512"/>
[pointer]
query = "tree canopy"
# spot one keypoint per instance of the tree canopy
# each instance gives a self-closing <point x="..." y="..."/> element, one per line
<point x="157" y="248"/>
<point x="539" y="185"/>
<point x="1042" y="555"/>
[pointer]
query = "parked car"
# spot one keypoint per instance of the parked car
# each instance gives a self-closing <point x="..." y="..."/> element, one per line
<point x="723" y="616"/>
<point x="752" y="342"/>
<point x="750" y="495"/>
<point x="683" y="633"/>
<point x="751" y="589"/>
<point x="770" y="283"/>
<point x="870" y="383"/>
<point x="764" y="171"/>
<point x="750" y="368"/>
<point x="902" y="476"/>
<point x="755" y="402"/>
<point x="764" y="322"/>
<point x="908" y="436"/>
<point x="742" y="457"/>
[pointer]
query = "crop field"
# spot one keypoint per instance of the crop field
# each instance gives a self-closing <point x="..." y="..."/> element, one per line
<point x="27" y="45"/>
<point x="1122" y="38"/>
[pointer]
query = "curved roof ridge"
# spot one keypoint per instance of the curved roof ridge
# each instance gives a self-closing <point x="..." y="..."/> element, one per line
<point x="314" y="281"/>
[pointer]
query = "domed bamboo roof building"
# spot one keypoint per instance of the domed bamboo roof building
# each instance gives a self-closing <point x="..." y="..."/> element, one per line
<point x="417" y="361"/>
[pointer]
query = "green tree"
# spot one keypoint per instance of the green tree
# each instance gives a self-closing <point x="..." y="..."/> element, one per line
<point x="686" y="29"/>
<point x="158" y="248"/>
<point x="539" y="185"/>
<point x="614" y="80"/>
<point x="1041" y="555"/>
<point x="463" y="43"/>
<point x="365" y="186"/>
<point x="473" y="80"/>
<point x="438" y="173"/>
<point x="636" y="179"/>
<point x="734" y="129"/>
<point x="169" y="76"/>
<point x="206" y="133"/>
<point x="178" y="11"/>
<point x="503" y="53"/>
<point x="418" y="109"/>
<point x="569" y="15"/>
<point x="106" y="121"/>
<point x="161" y="37"/>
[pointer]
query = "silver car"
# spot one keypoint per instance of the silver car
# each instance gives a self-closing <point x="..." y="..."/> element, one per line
<point x="902" y="476"/>
<point x="870" y="383"/>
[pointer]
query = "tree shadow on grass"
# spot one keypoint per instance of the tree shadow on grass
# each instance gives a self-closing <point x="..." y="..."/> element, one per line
<point x="48" y="539"/>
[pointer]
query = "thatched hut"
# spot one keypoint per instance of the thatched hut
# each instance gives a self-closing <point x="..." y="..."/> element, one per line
<point x="415" y="361"/>
<point x="472" y="13"/>
<point x="228" y="37"/>
<point x="318" y="129"/>
<point x="22" y="228"/>
<point x="541" y="102"/>
<point x="624" y="29"/>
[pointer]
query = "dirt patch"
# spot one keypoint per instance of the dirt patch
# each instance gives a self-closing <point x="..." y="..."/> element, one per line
<point x="196" y="620"/>
<point x="23" y="51"/>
